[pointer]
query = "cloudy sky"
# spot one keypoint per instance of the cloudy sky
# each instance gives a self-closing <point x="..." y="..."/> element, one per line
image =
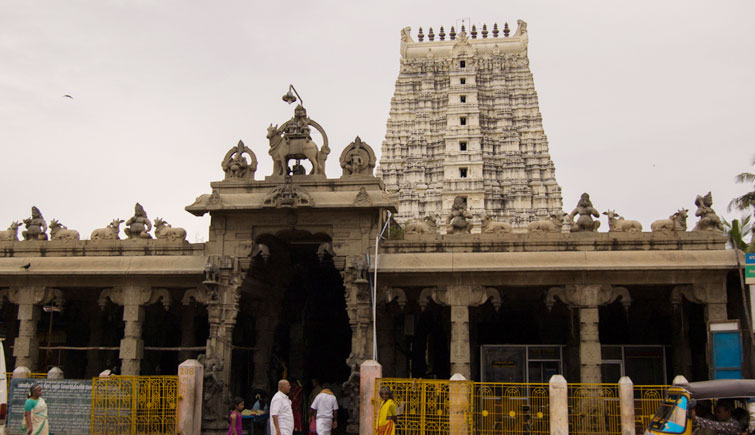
<point x="645" y="103"/>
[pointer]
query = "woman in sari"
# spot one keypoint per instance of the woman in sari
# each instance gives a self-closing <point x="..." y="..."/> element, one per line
<point x="35" y="412"/>
<point x="387" y="418"/>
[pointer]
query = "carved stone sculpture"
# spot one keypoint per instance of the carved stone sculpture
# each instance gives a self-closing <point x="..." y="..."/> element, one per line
<point x="213" y="386"/>
<point x="138" y="226"/>
<point x="11" y="234"/>
<point x="426" y="225"/>
<point x="236" y="166"/>
<point x="288" y="195"/>
<point x="551" y="225"/>
<point x="358" y="159"/>
<point x="709" y="220"/>
<point x="586" y="211"/>
<point x="36" y="226"/>
<point x="164" y="231"/>
<point x="490" y="226"/>
<point x="362" y="198"/>
<point x="459" y="220"/>
<point x="59" y="231"/>
<point x="675" y="222"/>
<point x="293" y="141"/>
<point x="110" y="232"/>
<point x="618" y="224"/>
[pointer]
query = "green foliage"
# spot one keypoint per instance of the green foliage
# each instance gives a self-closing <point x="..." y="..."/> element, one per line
<point x="747" y="200"/>
<point x="738" y="230"/>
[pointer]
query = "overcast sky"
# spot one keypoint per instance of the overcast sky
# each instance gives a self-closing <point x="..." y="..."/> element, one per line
<point x="646" y="104"/>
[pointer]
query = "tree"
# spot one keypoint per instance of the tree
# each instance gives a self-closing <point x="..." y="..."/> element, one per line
<point x="737" y="230"/>
<point x="747" y="200"/>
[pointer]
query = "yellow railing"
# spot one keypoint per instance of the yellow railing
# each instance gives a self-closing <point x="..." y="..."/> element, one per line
<point x="647" y="398"/>
<point x="427" y="406"/>
<point x="134" y="405"/>
<point x="9" y="375"/>
<point x="432" y="406"/>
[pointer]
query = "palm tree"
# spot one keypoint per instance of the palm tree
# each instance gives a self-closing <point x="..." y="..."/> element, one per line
<point x="747" y="200"/>
<point x="737" y="230"/>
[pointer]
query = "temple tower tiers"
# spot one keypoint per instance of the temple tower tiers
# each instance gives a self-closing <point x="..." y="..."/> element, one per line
<point x="465" y="121"/>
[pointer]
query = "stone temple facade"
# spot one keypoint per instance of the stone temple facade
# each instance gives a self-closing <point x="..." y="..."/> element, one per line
<point x="465" y="121"/>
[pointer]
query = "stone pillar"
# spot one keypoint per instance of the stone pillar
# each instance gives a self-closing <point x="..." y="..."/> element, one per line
<point x="587" y="298"/>
<point x="133" y="297"/>
<point x="626" y="405"/>
<point x="369" y="370"/>
<point x="29" y="300"/>
<point x="589" y="345"/>
<point x="94" y="357"/>
<point x="460" y="298"/>
<point x="458" y="396"/>
<point x="558" y="402"/>
<point x="222" y="312"/>
<point x="55" y="374"/>
<point x="681" y="353"/>
<point x="189" y="412"/>
<point x="264" y="326"/>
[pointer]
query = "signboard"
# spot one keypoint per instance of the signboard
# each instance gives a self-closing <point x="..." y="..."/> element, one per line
<point x="725" y="349"/>
<point x="68" y="401"/>
<point x="750" y="268"/>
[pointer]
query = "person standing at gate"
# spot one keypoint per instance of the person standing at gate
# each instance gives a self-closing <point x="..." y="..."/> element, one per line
<point x="281" y="414"/>
<point x="387" y="415"/>
<point x="35" y="412"/>
<point x="324" y="410"/>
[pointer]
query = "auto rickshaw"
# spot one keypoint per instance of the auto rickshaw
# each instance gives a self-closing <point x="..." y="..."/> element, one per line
<point x="674" y="415"/>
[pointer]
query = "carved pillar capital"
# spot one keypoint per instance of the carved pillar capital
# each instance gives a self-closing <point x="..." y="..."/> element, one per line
<point x="591" y="295"/>
<point x="391" y="294"/>
<point x="35" y="295"/>
<point x="460" y="295"/>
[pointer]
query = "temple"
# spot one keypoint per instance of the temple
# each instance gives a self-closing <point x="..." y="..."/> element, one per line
<point x="465" y="121"/>
<point x="484" y="276"/>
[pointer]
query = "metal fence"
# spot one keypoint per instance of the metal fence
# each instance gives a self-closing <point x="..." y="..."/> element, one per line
<point x="427" y="406"/>
<point x="134" y="405"/>
<point x="9" y="376"/>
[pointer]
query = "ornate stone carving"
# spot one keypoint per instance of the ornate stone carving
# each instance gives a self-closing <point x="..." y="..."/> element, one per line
<point x="36" y="226"/>
<point x="236" y="166"/>
<point x="288" y="195"/>
<point x="395" y="294"/>
<point x="426" y="225"/>
<point x="261" y="250"/>
<point x="459" y="220"/>
<point x="110" y="232"/>
<point x="586" y="211"/>
<point x="675" y="222"/>
<point x="709" y="220"/>
<point x="59" y="231"/>
<point x="362" y="198"/>
<point x="551" y="225"/>
<point x="199" y="295"/>
<point x="163" y="231"/>
<point x="617" y="224"/>
<point x="213" y="387"/>
<point x="35" y="296"/>
<point x="138" y="226"/>
<point x="358" y="159"/>
<point x="11" y="234"/>
<point x="687" y="292"/>
<point x="135" y="296"/>
<point x="325" y="251"/>
<point x="293" y="141"/>
<point x="588" y="295"/>
<point x="460" y="295"/>
<point x="491" y="226"/>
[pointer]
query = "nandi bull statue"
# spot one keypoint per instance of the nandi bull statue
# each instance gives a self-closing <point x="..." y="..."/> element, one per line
<point x="709" y="220"/>
<point x="59" y="231"/>
<point x="675" y="222"/>
<point x="491" y="226"/>
<point x="11" y="234"/>
<point x="617" y="224"/>
<point x="292" y="140"/>
<point x="110" y="232"/>
<point x="163" y="230"/>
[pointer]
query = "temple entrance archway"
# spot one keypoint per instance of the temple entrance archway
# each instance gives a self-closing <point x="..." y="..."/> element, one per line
<point x="292" y="314"/>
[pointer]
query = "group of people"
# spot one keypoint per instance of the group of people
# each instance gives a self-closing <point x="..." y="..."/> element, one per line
<point x="727" y="420"/>
<point x="323" y="413"/>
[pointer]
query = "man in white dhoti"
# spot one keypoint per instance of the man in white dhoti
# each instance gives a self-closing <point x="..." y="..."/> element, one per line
<point x="281" y="414"/>
<point x="325" y="408"/>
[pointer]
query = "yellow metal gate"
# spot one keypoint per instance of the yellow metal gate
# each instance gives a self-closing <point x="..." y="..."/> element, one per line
<point x="129" y="405"/>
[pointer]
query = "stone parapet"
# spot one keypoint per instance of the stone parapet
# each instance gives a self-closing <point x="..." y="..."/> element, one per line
<point x="558" y="242"/>
<point x="95" y="248"/>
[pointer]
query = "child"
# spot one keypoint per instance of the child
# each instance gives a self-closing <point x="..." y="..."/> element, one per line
<point x="234" y="419"/>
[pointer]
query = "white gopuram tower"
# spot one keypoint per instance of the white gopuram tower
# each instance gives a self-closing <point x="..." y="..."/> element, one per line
<point x="465" y="121"/>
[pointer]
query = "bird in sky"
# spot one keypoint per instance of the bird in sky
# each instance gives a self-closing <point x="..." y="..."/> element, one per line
<point x="67" y="96"/>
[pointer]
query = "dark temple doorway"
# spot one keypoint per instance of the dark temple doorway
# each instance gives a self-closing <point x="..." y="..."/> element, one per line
<point x="292" y="316"/>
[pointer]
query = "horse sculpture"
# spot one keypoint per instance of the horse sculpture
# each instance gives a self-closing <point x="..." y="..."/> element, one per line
<point x="292" y="141"/>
